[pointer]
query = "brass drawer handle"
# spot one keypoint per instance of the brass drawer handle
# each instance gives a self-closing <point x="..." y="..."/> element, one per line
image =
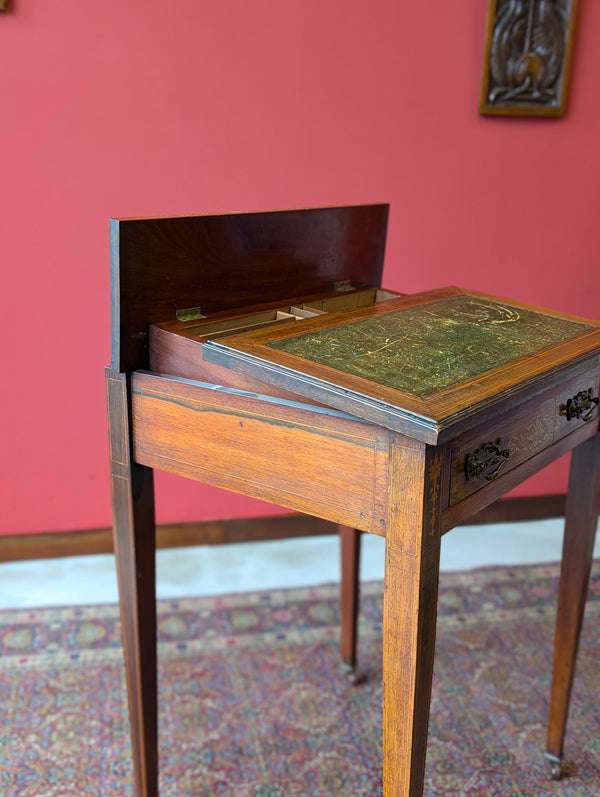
<point x="489" y="455"/>
<point x="581" y="406"/>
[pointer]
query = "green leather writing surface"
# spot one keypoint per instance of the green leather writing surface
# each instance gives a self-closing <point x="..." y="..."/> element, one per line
<point x="421" y="350"/>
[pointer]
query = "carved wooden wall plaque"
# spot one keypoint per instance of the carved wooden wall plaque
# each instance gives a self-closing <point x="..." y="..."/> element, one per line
<point x="527" y="57"/>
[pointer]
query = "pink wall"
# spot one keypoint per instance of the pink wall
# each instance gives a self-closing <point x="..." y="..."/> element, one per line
<point x="152" y="108"/>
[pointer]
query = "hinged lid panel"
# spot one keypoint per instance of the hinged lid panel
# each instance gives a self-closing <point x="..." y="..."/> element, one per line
<point x="224" y="262"/>
<point x="421" y="364"/>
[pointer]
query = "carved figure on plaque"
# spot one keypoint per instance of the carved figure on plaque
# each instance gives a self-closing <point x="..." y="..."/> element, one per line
<point x="527" y="58"/>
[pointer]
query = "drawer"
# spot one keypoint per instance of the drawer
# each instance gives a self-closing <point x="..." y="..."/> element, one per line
<point x="576" y="403"/>
<point x="491" y="450"/>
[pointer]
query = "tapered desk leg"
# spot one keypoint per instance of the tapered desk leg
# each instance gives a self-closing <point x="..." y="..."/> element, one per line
<point x="349" y="597"/>
<point x="580" y="532"/>
<point x="409" y="613"/>
<point x="134" y="540"/>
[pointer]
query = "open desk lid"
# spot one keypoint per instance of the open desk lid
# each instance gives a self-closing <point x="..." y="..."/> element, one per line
<point x="418" y="364"/>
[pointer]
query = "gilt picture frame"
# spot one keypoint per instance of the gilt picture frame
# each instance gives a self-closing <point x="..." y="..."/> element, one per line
<point x="527" y="61"/>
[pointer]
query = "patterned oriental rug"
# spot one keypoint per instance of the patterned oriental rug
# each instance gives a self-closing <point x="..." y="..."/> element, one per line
<point x="253" y="703"/>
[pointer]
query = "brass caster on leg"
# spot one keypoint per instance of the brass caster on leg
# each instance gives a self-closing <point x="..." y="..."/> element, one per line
<point x="352" y="674"/>
<point x="556" y="772"/>
<point x="556" y="766"/>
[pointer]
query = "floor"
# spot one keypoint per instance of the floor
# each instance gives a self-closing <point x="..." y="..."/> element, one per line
<point x="211" y="570"/>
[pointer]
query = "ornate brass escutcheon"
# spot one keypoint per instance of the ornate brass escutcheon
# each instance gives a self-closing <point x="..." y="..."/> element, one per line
<point x="581" y="406"/>
<point x="486" y="461"/>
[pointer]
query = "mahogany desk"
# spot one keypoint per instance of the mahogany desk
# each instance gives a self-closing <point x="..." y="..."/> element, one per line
<point x="396" y="416"/>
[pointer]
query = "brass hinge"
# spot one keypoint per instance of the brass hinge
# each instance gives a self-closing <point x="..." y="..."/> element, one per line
<point x="189" y="314"/>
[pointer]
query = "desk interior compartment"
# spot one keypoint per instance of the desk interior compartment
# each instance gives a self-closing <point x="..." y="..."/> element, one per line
<point x="176" y="345"/>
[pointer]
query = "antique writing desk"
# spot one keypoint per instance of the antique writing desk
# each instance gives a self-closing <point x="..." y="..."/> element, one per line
<point x="289" y="375"/>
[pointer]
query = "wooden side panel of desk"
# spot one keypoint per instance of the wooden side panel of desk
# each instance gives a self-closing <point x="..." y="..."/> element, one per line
<point x="310" y="459"/>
